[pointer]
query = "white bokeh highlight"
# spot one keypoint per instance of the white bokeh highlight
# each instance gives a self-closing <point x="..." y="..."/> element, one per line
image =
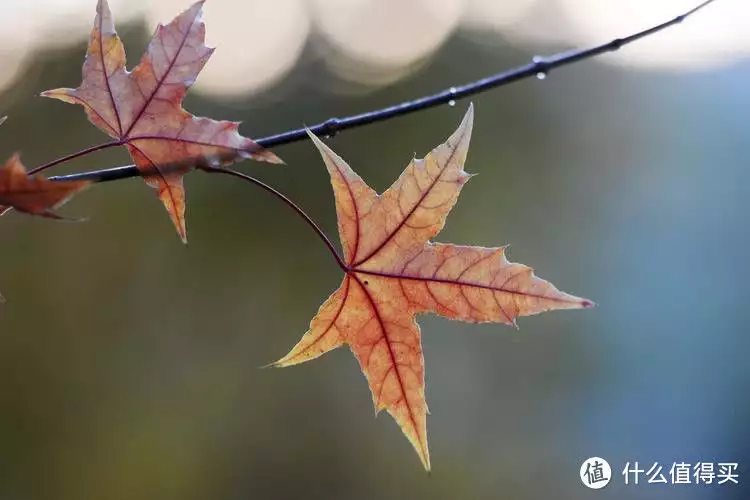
<point x="259" y="41"/>
<point x="387" y="32"/>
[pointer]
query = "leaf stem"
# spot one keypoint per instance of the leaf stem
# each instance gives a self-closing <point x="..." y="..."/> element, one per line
<point x="538" y="65"/>
<point x="77" y="154"/>
<point x="285" y="199"/>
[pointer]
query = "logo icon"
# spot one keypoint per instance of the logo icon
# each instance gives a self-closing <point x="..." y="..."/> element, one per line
<point x="595" y="473"/>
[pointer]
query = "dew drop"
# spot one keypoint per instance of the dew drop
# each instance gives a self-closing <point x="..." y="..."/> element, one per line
<point x="451" y="103"/>
<point x="452" y="90"/>
<point x="539" y="60"/>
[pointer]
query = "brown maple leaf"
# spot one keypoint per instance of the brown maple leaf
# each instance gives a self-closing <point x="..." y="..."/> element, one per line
<point x="394" y="272"/>
<point x="142" y="108"/>
<point x="34" y="194"/>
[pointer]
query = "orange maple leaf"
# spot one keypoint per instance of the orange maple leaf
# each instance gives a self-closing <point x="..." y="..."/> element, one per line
<point x="142" y="108"/>
<point x="34" y="194"/>
<point x="394" y="272"/>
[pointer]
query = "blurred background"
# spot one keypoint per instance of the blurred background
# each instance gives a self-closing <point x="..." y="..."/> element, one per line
<point x="129" y="364"/>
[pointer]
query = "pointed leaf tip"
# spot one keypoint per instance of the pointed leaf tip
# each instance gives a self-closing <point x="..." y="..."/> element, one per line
<point x="310" y="134"/>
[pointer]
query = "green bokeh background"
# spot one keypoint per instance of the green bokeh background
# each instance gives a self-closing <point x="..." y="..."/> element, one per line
<point x="129" y="364"/>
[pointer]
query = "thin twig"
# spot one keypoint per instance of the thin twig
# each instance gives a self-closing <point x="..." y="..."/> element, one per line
<point x="539" y="65"/>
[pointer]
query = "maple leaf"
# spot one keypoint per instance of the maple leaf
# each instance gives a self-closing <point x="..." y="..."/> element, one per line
<point x="394" y="272"/>
<point x="35" y="194"/>
<point x="142" y="108"/>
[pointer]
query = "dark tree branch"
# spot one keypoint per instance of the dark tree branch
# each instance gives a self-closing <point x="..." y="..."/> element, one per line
<point x="538" y="66"/>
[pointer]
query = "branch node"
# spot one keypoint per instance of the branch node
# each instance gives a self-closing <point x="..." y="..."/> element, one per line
<point x="329" y="128"/>
<point x="541" y="66"/>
